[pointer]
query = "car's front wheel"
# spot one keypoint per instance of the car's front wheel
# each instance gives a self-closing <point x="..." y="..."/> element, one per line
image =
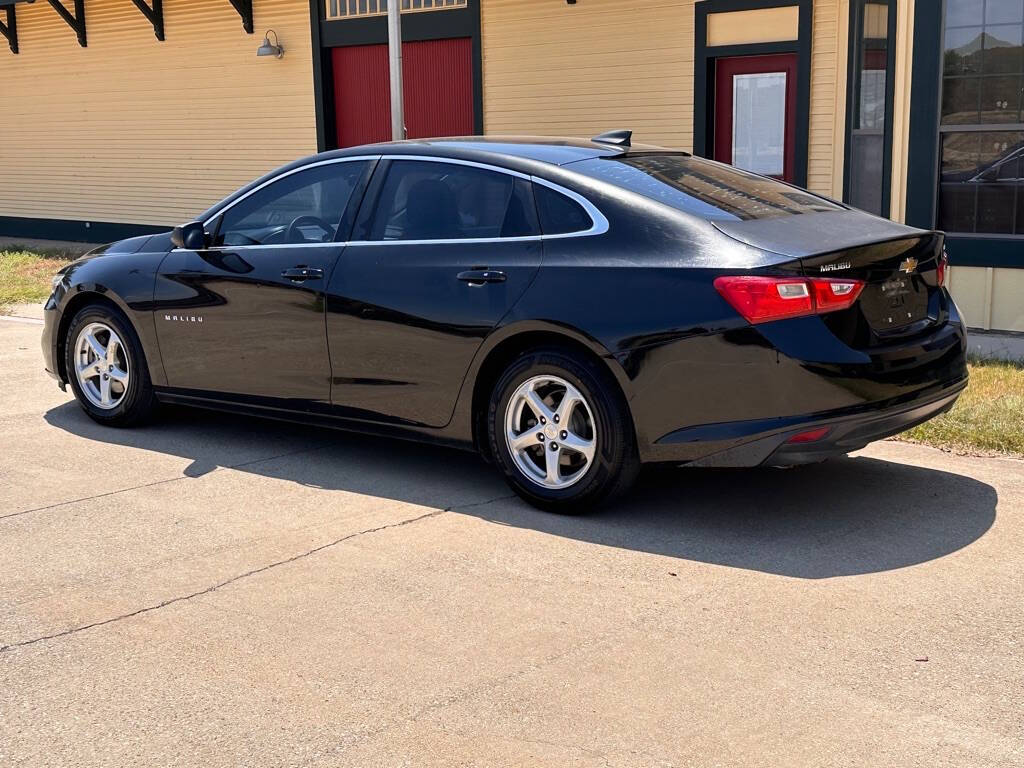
<point x="561" y="433"/>
<point x="106" y="367"/>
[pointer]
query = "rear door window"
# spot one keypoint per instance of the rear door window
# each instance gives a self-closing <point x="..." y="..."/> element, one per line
<point x="703" y="188"/>
<point x="423" y="200"/>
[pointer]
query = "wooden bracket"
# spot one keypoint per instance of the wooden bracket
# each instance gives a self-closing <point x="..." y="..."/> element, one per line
<point x="76" y="21"/>
<point x="244" y="8"/>
<point x="10" y="29"/>
<point x="154" y="14"/>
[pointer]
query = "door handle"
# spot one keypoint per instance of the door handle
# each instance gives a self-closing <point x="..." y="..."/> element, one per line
<point x="301" y="274"/>
<point x="481" y="276"/>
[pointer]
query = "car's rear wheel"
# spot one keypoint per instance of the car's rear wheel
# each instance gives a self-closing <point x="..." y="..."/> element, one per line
<point x="560" y="432"/>
<point x="106" y="367"/>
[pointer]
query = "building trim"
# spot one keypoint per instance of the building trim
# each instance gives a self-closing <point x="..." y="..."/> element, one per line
<point x="923" y="152"/>
<point x="323" y="77"/>
<point x="704" y="80"/>
<point x="74" y="231"/>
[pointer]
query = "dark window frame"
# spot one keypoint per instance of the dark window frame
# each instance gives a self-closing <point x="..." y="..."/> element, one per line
<point x="923" y="151"/>
<point x="704" y="78"/>
<point x="853" y="68"/>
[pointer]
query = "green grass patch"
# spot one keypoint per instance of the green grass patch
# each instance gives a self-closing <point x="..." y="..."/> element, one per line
<point x="988" y="418"/>
<point x="25" y="274"/>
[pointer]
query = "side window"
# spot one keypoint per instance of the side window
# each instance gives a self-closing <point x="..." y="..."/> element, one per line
<point x="439" y="201"/>
<point x="305" y="207"/>
<point x="559" y="214"/>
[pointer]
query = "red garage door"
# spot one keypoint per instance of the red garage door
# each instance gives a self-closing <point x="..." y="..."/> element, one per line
<point x="438" y="77"/>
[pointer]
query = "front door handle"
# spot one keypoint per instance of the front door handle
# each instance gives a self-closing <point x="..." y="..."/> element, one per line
<point x="481" y="276"/>
<point x="301" y="274"/>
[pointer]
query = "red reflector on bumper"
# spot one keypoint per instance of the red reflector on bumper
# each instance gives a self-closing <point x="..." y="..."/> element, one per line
<point x="809" y="436"/>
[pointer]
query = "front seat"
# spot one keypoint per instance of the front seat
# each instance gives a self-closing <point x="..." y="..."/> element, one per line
<point x="431" y="212"/>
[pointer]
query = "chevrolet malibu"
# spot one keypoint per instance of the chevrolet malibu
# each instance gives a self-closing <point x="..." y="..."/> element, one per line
<point x="570" y="309"/>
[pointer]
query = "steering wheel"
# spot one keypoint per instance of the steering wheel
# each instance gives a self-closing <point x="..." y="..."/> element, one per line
<point x="293" y="235"/>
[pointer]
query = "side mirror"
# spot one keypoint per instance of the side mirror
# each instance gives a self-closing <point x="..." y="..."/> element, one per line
<point x="191" y="236"/>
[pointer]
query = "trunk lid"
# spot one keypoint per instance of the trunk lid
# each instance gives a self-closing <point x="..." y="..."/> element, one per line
<point x="898" y="265"/>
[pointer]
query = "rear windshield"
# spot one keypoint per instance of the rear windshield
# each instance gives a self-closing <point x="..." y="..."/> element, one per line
<point x="702" y="188"/>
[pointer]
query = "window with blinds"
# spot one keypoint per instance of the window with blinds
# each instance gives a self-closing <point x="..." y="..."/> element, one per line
<point x="352" y="9"/>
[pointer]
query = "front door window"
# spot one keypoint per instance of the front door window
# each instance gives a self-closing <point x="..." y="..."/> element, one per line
<point x="303" y="207"/>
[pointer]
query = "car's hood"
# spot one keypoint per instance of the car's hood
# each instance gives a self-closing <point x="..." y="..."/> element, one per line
<point x="160" y="242"/>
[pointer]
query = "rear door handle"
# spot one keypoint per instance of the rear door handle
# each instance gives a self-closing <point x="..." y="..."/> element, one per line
<point x="301" y="274"/>
<point x="481" y="276"/>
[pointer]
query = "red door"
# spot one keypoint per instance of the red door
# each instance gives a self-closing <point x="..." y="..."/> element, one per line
<point x="438" y="81"/>
<point x="755" y="113"/>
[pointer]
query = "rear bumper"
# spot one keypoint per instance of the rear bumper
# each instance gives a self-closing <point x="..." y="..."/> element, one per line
<point x="766" y="442"/>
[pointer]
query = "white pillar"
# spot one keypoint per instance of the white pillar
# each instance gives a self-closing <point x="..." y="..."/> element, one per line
<point x="395" y="64"/>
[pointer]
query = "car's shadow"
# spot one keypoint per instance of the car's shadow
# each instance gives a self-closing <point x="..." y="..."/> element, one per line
<point x="847" y="516"/>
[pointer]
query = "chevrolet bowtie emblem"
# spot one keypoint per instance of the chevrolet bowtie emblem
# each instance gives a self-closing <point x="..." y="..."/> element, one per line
<point x="908" y="265"/>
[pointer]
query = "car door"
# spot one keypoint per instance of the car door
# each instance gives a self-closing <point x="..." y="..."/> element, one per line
<point x="441" y="252"/>
<point x="245" y="316"/>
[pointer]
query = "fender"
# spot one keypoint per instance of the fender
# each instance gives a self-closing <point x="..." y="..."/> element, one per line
<point x="461" y="424"/>
<point x="128" y="281"/>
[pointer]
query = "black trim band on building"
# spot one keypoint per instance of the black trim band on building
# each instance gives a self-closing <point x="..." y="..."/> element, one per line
<point x="923" y="147"/>
<point x="373" y="30"/>
<point x="73" y="231"/>
<point x="704" y="77"/>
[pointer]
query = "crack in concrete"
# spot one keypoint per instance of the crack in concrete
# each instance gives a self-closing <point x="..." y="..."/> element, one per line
<point x="57" y="504"/>
<point x="218" y="585"/>
<point x="247" y="574"/>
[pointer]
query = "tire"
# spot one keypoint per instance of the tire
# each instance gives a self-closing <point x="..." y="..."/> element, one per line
<point x="118" y="400"/>
<point x="598" y="423"/>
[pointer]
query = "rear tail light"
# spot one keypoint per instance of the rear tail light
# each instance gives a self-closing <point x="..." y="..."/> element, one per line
<point x="942" y="268"/>
<point x="763" y="299"/>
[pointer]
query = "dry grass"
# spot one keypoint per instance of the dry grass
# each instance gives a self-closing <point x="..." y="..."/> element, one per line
<point x="25" y="274"/>
<point x="987" y="419"/>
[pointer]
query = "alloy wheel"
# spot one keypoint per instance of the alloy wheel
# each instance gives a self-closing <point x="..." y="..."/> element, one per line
<point x="550" y="432"/>
<point x="101" y="365"/>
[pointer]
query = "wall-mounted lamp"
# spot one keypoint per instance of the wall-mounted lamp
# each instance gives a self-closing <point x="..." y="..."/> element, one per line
<point x="271" y="50"/>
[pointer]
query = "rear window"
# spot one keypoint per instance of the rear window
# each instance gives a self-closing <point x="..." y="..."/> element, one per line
<point x="702" y="188"/>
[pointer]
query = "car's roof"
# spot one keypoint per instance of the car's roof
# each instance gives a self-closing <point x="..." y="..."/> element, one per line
<point x="544" y="149"/>
<point x="528" y="154"/>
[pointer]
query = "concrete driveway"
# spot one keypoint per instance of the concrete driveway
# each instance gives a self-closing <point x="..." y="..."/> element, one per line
<point x="221" y="591"/>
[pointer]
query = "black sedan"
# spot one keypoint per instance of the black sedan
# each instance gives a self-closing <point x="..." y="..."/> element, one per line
<point x="570" y="309"/>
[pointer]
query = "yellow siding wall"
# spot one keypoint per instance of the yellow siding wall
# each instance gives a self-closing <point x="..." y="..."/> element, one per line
<point x="989" y="298"/>
<point x="134" y="130"/>
<point x="577" y="70"/>
<point x="827" y="82"/>
<point x="762" y="25"/>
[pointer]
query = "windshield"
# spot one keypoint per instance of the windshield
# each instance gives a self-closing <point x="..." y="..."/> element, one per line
<point x="703" y="188"/>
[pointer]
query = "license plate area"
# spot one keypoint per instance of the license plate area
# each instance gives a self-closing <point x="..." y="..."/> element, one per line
<point x="898" y="301"/>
